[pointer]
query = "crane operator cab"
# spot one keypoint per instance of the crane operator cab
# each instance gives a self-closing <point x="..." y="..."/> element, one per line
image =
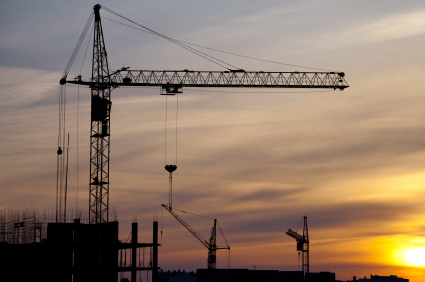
<point x="300" y="246"/>
<point x="100" y="111"/>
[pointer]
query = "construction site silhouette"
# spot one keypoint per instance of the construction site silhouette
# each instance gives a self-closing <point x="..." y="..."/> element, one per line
<point x="85" y="246"/>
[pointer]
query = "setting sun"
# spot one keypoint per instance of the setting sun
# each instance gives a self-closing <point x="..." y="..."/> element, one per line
<point x="416" y="257"/>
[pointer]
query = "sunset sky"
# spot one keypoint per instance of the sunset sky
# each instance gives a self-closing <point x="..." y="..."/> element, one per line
<point x="258" y="160"/>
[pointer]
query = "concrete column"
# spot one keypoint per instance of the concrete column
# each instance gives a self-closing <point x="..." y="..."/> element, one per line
<point x="77" y="249"/>
<point x="133" y="250"/>
<point x="155" y="252"/>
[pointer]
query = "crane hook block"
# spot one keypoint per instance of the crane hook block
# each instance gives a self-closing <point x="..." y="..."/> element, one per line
<point x="170" y="168"/>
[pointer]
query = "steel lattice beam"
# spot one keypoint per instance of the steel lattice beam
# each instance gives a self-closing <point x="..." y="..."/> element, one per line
<point x="251" y="79"/>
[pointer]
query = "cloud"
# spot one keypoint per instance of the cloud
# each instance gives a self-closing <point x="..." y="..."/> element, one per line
<point x="22" y="86"/>
<point x="266" y="195"/>
<point x="390" y="28"/>
<point x="321" y="217"/>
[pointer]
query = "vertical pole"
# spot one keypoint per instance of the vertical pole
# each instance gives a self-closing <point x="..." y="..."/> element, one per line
<point x="155" y="252"/>
<point x="66" y="182"/>
<point x="133" y="251"/>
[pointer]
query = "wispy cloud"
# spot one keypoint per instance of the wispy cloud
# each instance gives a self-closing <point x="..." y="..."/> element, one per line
<point x="390" y="28"/>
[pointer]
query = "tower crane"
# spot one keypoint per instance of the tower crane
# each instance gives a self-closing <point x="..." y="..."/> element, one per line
<point x="302" y="245"/>
<point x="171" y="82"/>
<point x="210" y="244"/>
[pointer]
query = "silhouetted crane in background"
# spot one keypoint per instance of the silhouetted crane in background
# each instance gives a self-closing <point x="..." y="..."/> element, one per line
<point x="210" y="244"/>
<point x="302" y="245"/>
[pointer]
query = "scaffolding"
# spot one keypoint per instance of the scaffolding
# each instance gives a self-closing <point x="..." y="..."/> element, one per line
<point x="29" y="225"/>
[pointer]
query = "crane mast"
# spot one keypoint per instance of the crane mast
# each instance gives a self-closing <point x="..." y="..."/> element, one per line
<point x="171" y="82"/>
<point x="212" y="247"/>
<point x="302" y="245"/>
<point x="100" y="123"/>
<point x="210" y="244"/>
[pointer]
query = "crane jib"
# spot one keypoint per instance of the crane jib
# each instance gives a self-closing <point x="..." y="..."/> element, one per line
<point x="173" y="81"/>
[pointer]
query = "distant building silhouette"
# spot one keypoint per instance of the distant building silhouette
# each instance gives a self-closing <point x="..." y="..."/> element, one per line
<point x="176" y="276"/>
<point x="377" y="278"/>
<point x="248" y="275"/>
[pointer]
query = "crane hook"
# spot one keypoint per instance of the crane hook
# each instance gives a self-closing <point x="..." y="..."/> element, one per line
<point x="170" y="168"/>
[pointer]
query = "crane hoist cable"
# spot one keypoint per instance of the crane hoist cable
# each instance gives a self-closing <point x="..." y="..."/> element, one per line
<point x="62" y="107"/>
<point x="78" y="111"/>
<point x="60" y="166"/>
<point x="66" y="182"/>
<point x="170" y="168"/>
<point x="162" y="220"/>
<point x="60" y="163"/>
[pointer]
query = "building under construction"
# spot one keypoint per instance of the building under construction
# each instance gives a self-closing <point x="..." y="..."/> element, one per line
<point x="34" y="248"/>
